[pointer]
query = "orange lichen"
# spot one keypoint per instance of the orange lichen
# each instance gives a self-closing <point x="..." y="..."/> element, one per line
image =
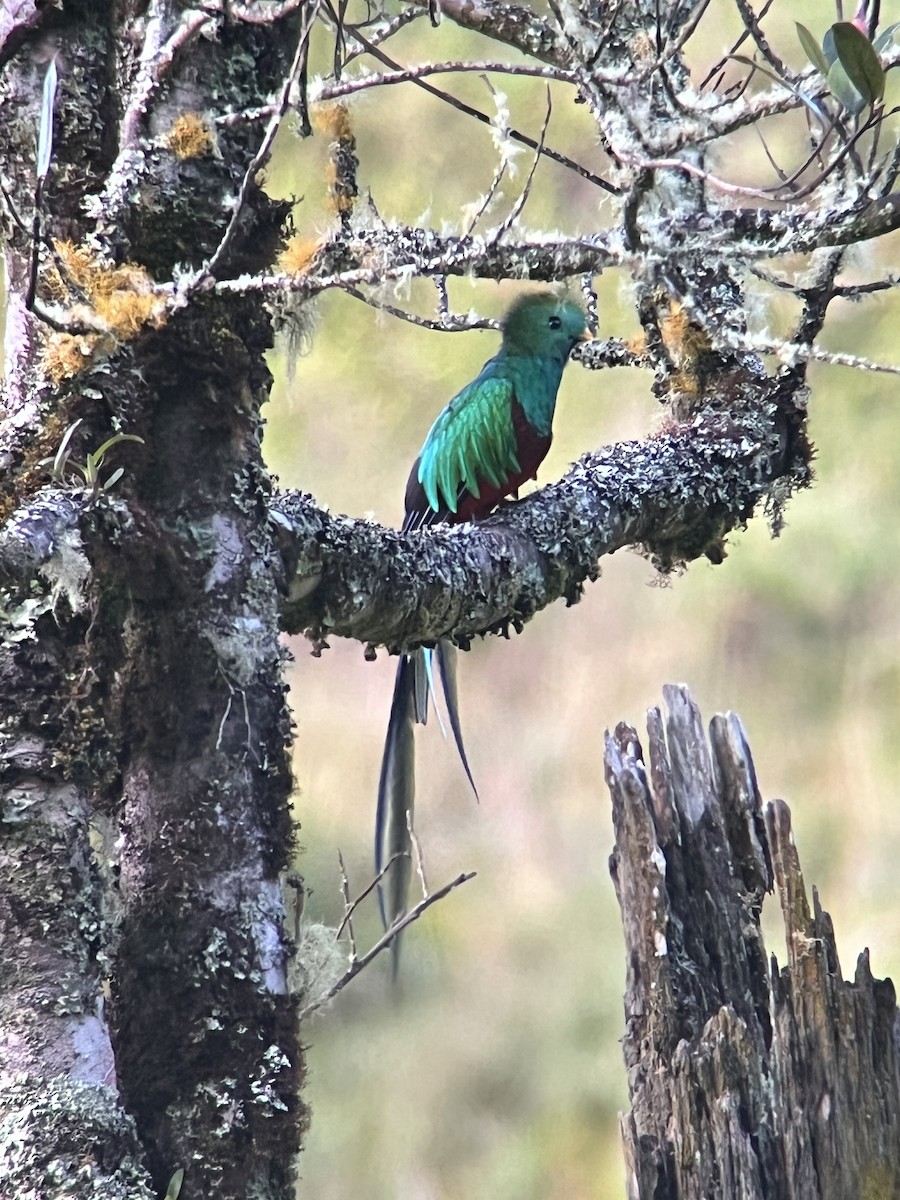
<point x="684" y="340"/>
<point x="341" y="194"/>
<point x="76" y="267"/>
<point x="334" y="120"/>
<point x="124" y="297"/>
<point x="128" y="312"/>
<point x="67" y="354"/>
<point x="298" y="255"/>
<point x="190" y="137"/>
<point x="121" y="299"/>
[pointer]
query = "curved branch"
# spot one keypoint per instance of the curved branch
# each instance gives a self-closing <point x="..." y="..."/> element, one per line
<point x="374" y="256"/>
<point x="511" y="24"/>
<point x="784" y="231"/>
<point x="350" y="87"/>
<point x="675" y="496"/>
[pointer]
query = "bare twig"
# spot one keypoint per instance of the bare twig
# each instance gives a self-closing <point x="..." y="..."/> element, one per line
<point x="752" y="26"/>
<point x="351" y="907"/>
<point x="446" y="323"/>
<point x="417" y="853"/>
<point x="720" y="65"/>
<point x="377" y="35"/>
<point x="360" y="964"/>
<point x="488" y="199"/>
<point x="522" y="198"/>
<point x="855" y="291"/>
<point x="470" y="111"/>
<point x="335" y="91"/>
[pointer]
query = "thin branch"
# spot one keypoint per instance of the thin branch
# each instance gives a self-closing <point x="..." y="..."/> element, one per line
<point x="793" y="352"/>
<point x="360" y="964"/>
<point x="734" y="189"/>
<point x="263" y="14"/>
<point x="444" y="324"/>
<point x="720" y="65"/>
<point x="489" y="197"/>
<point x="377" y="35"/>
<point x="687" y="31"/>
<point x="752" y="26"/>
<point x="855" y="291"/>
<point x="522" y="199"/>
<point x="470" y="111"/>
<point x="350" y="907"/>
<point x="412" y="74"/>
<point x="417" y="853"/>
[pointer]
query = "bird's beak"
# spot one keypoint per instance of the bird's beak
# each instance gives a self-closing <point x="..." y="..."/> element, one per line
<point x="587" y="336"/>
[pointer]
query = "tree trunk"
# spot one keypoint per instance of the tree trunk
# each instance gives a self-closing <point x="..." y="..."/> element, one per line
<point x="140" y="660"/>
<point x="747" y="1082"/>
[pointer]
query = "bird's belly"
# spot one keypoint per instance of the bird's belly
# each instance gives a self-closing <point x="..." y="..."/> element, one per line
<point x="532" y="450"/>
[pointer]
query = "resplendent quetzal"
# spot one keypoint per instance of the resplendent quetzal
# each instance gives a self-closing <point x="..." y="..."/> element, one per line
<point x="491" y="438"/>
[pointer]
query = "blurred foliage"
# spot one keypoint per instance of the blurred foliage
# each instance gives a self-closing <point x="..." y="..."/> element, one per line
<point x="494" y="1069"/>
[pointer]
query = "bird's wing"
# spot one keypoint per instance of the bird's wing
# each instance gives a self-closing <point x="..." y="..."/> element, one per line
<point x="472" y="442"/>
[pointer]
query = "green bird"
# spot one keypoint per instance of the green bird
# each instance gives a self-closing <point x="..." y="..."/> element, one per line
<point x="490" y="438"/>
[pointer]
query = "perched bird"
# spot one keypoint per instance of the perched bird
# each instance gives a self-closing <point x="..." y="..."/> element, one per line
<point x="490" y="438"/>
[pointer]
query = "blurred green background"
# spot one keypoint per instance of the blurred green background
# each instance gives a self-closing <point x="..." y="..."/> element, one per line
<point x="494" y="1072"/>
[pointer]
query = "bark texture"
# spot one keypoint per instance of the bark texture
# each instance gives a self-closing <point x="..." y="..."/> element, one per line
<point x="747" y="1081"/>
<point x="141" y="691"/>
<point x="676" y="496"/>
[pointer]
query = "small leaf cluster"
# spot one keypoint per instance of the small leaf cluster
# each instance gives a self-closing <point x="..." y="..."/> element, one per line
<point x="849" y="61"/>
<point x="65" y="470"/>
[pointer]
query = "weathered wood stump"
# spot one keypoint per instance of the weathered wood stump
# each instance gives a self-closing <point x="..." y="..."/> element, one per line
<point x="747" y="1082"/>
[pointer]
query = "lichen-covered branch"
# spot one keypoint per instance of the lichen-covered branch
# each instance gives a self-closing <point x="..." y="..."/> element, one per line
<point x="675" y="497"/>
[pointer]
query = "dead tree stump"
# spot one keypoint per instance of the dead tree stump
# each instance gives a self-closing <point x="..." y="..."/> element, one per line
<point x="747" y="1081"/>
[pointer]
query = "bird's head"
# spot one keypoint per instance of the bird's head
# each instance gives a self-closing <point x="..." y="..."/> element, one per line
<point x="543" y="325"/>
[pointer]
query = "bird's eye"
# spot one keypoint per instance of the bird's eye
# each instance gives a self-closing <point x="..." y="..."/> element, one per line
<point x="555" y="323"/>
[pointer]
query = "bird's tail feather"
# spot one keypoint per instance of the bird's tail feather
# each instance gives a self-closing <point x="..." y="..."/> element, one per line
<point x="396" y="794"/>
<point x="428" y="671"/>
<point x="424" y="682"/>
<point x="445" y="653"/>
<point x="397" y="784"/>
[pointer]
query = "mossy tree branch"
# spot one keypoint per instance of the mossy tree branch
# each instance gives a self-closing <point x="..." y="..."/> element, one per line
<point x="675" y="497"/>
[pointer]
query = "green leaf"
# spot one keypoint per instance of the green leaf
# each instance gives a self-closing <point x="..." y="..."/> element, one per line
<point x="828" y="47"/>
<point x="885" y="38"/>
<point x="804" y="99"/>
<point x="101" y="452"/>
<point x="114" y="478"/>
<point x="812" y="49"/>
<point x="858" y="58"/>
<point x="62" y="454"/>
<point x="45" y="130"/>
<point x="843" y="90"/>
<point x="175" y="1185"/>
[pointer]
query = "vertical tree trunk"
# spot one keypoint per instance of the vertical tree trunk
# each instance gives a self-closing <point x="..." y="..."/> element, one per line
<point x="747" y="1082"/>
<point x="141" y="670"/>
